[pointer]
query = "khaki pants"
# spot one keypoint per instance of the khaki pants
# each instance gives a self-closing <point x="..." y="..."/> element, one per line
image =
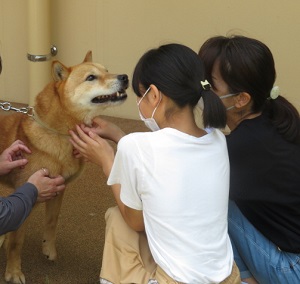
<point x="162" y="277"/>
<point x="127" y="258"/>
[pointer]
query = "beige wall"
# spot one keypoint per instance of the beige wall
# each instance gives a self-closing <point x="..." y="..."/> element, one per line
<point x="13" y="40"/>
<point x="118" y="32"/>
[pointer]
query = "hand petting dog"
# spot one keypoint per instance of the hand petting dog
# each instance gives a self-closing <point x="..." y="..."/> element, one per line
<point x="93" y="148"/>
<point x="12" y="157"/>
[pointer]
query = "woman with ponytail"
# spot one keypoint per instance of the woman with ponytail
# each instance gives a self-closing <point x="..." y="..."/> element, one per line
<point x="264" y="154"/>
<point x="171" y="184"/>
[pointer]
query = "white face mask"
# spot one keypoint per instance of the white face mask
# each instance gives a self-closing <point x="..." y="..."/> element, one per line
<point x="227" y="96"/>
<point x="149" y="122"/>
<point x="201" y="103"/>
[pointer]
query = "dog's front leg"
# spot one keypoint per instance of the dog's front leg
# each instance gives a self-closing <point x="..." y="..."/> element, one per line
<point x="2" y="238"/>
<point x="13" y="246"/>
<point x="52" y="210"/>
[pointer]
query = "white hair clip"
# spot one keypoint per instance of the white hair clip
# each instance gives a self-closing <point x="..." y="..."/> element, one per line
<point x="275" y="93"/>
<point x="205" y="85"/>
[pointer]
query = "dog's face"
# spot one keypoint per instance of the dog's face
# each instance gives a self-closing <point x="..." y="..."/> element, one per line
<point x="88" y="88"/>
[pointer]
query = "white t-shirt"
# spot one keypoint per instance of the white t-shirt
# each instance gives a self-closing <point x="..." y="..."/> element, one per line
<point x="182" y="184"/>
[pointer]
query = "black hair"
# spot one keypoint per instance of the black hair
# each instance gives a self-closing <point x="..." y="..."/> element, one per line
<point x="177" y="71"/>
<point x="247" y="65"/>
<point x="0" y="64"/>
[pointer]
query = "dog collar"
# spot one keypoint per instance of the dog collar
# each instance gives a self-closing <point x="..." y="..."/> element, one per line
<point x="41" y="123"/>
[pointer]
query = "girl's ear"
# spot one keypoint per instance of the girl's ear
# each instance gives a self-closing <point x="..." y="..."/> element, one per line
<point x="154" y="95"/>
<point x="242" y="99"/>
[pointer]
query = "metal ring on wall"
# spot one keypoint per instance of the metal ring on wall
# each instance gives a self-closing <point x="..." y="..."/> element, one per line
<point x="40" y="58"/>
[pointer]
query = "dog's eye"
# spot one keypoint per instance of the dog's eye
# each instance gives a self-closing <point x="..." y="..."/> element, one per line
<point x="90" y="78"/>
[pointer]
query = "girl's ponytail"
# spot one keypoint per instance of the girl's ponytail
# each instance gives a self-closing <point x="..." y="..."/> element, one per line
<point x="214" y="111"/>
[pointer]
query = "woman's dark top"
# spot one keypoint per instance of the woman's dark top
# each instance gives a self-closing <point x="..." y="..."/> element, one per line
<point x="265" y="181"/>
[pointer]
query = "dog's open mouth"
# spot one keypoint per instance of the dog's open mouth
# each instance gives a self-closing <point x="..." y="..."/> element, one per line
<point x="119" y="96"/>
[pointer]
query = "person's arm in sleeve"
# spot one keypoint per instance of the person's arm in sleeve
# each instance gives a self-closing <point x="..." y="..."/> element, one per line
<point x="15" y="208"/>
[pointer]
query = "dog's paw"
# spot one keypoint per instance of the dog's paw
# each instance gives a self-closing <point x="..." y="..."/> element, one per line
<point x="49" y="250"/>
<point x="16" y="277"/>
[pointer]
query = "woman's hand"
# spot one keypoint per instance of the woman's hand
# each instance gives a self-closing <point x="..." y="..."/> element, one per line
<point x="93" y="148"/>
<point x="47" y="187"/>
<point x="12" y="157"/>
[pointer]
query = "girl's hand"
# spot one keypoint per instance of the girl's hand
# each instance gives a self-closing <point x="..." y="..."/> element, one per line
<point x="104" y="129"/>
<point x="93" y="148"/>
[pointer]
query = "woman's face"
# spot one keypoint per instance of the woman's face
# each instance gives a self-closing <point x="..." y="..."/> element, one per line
<point x="220" y="86"/>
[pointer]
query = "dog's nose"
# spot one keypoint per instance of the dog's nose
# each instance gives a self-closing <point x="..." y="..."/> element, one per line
<point x="123" y="78"/>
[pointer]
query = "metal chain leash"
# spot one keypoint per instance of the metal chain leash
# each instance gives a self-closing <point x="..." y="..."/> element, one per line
<point x="6" y="106"/>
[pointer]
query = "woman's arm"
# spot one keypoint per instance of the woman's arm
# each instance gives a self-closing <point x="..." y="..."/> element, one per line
<point x="15" y="208"/>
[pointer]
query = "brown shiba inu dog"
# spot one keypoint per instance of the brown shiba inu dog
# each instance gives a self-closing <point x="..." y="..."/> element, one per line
<point x="77" y="95"/>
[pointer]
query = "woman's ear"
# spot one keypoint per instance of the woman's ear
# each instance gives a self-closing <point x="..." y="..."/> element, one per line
<point x="154" y="95"/>
<point x="242" y="99"/>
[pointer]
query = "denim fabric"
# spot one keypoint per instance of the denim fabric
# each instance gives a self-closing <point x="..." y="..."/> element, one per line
<point x="256" y="256"/>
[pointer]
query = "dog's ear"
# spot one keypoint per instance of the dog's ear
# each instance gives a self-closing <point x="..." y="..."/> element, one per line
<point x="88" y="57"/>
<point x="59" y="71"/>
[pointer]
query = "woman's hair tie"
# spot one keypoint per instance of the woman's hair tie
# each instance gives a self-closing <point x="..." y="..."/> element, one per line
<point x="205" y="85"/>
<point x="275" y="93"/>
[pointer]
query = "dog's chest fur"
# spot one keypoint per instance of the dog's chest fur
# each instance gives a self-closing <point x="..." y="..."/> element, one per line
<point x="49" y="149"/>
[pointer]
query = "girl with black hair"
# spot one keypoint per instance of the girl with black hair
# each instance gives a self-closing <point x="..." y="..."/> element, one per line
<point x="264" y="154"/>
<point x="172" y="182"/>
